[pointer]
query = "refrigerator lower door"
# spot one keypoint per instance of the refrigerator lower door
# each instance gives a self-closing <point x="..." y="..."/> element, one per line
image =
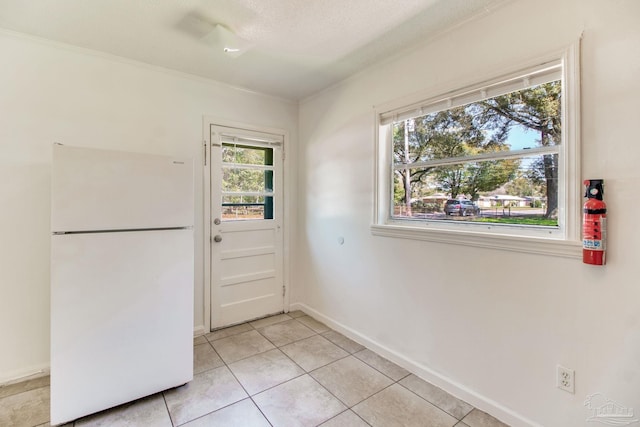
<point x="121" y="318"/>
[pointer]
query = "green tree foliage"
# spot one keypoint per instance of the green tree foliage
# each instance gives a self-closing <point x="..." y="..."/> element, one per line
<point x="236" y="178"/>
<point x="538" y="109"/>
<point x="489" y="175"/>
<point x="443" y="135"/>
<point x="473" y="178"/>
<point x="475" y="129"/>
<point x="523" y="185"/>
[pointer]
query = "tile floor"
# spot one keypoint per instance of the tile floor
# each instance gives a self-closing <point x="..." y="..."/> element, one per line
<point x="286" y="370"/>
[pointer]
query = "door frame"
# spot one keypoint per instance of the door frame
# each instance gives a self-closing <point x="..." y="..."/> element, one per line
<point x="207" y="122"/>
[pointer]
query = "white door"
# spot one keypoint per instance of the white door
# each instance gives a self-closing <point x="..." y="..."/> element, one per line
<point x="246" y="225"/>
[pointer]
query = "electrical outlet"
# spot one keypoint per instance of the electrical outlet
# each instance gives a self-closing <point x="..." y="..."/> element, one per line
<point x="565" y="379"/>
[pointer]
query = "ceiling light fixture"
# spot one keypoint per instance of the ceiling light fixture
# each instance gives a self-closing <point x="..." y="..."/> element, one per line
<point x="226" y="40"/>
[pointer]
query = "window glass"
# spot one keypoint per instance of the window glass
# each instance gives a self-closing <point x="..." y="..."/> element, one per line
<point x="236" y="179"/>
<point x="498" y="156"/>
<point x="247" y="182"/>
<point x="232" y="153"/>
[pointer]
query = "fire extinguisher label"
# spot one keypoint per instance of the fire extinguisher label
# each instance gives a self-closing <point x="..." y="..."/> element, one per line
<point x="594" y="232"/>
<point x="593" y="245"/>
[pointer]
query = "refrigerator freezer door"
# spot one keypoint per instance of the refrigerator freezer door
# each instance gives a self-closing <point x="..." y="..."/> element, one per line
<point x="112" y="190"/>
<point x="121" y="318"/>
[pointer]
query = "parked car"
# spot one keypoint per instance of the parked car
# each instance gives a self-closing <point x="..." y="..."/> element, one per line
<point x="461" y="207"/>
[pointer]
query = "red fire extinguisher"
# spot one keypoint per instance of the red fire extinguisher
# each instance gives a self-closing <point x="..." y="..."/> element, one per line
<point x="594" y="225"/>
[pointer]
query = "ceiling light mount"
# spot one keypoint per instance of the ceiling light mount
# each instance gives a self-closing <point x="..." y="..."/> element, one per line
<point x="227" y="41"/>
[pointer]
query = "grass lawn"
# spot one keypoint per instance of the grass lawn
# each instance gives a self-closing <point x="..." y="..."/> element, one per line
<point x="531" y="220"/>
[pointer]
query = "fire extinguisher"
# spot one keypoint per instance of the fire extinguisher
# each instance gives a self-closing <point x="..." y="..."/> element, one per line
<point x="594" y="225"/>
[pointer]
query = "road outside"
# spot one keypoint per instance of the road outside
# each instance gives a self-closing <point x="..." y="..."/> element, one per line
<point x="494" y="212"/>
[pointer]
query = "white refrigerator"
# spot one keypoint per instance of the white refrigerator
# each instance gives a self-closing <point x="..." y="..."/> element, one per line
<point x="122" y="276"/>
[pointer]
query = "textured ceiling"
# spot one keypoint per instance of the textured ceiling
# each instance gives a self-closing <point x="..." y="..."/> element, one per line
<point x="299" y="46"/>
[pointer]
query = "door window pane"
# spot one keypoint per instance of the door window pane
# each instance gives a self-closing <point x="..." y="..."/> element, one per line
<point x="243" y="154"/>
<point x="247" y="182"/>
<point x="236" y="179"/>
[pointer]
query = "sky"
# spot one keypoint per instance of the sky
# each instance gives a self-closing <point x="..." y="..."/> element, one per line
<point x="521" y="137"/>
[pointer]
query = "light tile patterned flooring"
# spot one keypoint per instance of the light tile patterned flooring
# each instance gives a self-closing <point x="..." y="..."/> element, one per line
<point x="286" y="370"/>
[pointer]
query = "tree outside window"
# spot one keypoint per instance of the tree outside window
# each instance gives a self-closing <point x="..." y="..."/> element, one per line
<point x="491" y="152"/>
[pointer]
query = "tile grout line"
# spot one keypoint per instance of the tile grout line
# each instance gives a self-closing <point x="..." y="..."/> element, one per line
<point x="304" y="371"/>
<point x="278" y="346"/>
<point x="349" y="353"/>
<point x="378" y="370"/>
<point x="166" y="405"/>
<point x="329" y="391"/>
<point x="225" y="365"/>
<point x="369" y="397"/>
<point x="260" y="409"/>
<point x="458" y="421"/>
<point x="348" y="410"/>
<point x="394" y="381"/>
<point x="272" y="343"/>
<point x="249" y="395"/>
<point x="433" y="403"/>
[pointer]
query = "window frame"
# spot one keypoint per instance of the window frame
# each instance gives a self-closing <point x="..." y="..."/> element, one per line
<point x="565" y="241"/>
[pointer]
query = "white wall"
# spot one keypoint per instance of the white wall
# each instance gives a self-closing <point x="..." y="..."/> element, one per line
<point x="439" y="309"/>
<point x="51" y="93"/>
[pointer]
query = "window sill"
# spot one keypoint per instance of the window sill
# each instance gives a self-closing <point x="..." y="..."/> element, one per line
<point x="524" y="244"/>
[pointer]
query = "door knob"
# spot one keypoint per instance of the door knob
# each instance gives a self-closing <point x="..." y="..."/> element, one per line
<point x="217" y="238"/>
<point x="216" y="221"/>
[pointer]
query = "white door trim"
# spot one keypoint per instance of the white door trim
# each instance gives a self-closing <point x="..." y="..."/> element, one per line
<point x="207" y="122"/>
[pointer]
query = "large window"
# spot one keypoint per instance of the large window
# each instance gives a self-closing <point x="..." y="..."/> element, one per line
<point x="495" y="159"/>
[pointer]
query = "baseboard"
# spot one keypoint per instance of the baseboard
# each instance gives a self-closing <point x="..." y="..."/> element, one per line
<point x="26" y="374"/>
<point x="447" y="384"/>
<point x="199" y="330"/>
